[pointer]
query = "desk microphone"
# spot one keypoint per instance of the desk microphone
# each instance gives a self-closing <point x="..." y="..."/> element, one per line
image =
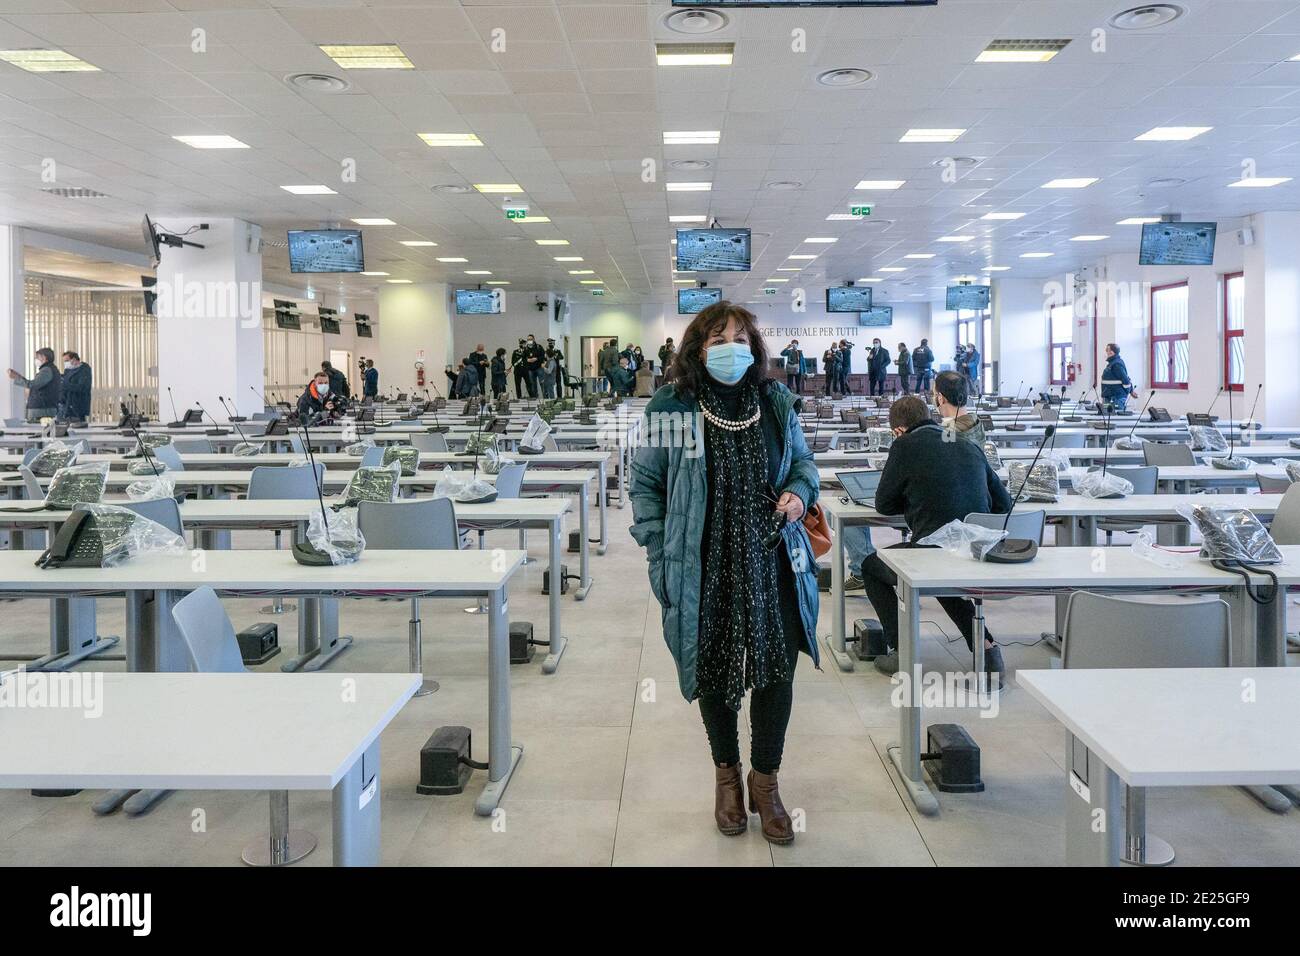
<point x="1016" y="550"/>
<point x="1128" y="442"/>
<point x="1015" y="425"/>
<point x="304" y="552"/>
<point x="1231" y="463"/>
<point x="216" y="430"/>
<point x="176" y="418"/>
<point x="245" y="447"/>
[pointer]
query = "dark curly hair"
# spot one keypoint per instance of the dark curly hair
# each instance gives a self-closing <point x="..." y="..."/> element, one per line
<point x="688" y="371"/>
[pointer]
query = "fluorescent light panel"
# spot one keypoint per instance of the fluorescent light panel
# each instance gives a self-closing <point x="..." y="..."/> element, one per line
<point x="1171" y="134"/>
<point x="1002" y="216"/>
<point x="47" y="61"/>
<point x="451" y="139"/>
<point x="932" y="136"/>
<point x="1138" y="220"/>
<point x="378" y="56"/>
<point x="704" y="137"/>
<point x="551" y="242"/>
<point x="1088" y="238"/>
<point x="880" y="184"/>
<point x="1036" y="255"/>
<point x="687" y="218"/>
<point x="499" y="188"/>
<point x="309" y="190"/>
<point x="1021" y="51"/>
<point x="821" y="240"/>
<point x="418" y="243"/>
<point x="452" y="259"/>
<point x="694" y="54"/>
<point x="378" y="221"/>
<point x="688" y="187"/>
<point x="1081" y="182"/>
<point x="211" y="142"/>
<point x="1259" y="182"/>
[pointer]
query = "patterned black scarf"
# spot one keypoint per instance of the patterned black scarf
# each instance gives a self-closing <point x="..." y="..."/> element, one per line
<point x="740" y="642"/>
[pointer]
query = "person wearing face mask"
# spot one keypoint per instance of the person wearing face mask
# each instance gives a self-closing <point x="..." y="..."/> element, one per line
<point x="517" y="363"/>
<point x="904" y="363"/>
<point x="318" y="401"/>
<point x="534" y="354"/>
<point x="922" y="360"/>
<point x="729" y="559"/>
<point x="499" y="373"/>
<point x="794" y="367"/>
<point x="44" y="389"/>
<point x="78" y="381"/>
<point x="831" y="367"/>
<point x="554" y="355"/>
<point x="846" y="366"/>
<point x="878" y="367"/>
<point x="622" y="378"/>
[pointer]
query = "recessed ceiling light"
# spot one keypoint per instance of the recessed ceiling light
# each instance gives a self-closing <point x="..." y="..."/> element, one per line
<point x="1138" y="220"/>
<point x="1171" y="134"/>
<point x="211" y="142"/>
<point x="704" y="137"/>
<point x="1021" y="51"/>
<point x="499" y="187"/>
<point x="694" y="54"/>
<point x="880" y="184"/>
<point x="1088" y="238"/>
<point x="451" y="139"/>
<point x="894" y="269"/>
<point x="688" y="187"/>
<point x="1008" y="216"/>
<point x="995" y="268"/>
<point x="1146" y="17"/>
<point x="531" y="220"/>
<point x="47" y="61"/>
<point x="309" y="190"/>
<point x="477" y="272"/>
<point x="582" y="272"/>
<point x="790" y="269"/>
<point x="689" y="164"/>
<point x="844" y="77"/>
<point x="919" y="255"/>
<point x="418" y="243"/>
<point x="551" y="242"/>
<point x="932" y="136"/>
<point x="954" y="239"/>
<point x="1259" y="182"/>
<point x="778" y="280"/>
<point x="591" y="282"/>
<point x="380" y="221"/>
<point x="380" y="56"/>
<point x="375" y="273"/>
<point x="452" y="259"/>
<point x="498" y="282"/>
<point x="821" y="240"/>
<point x="398" y="281"/>
<point x="804" y="257"/>
<point x="1036" y="255"/>
<point x="1077" y="183"/>
<point x="568" y="259"/>
<point x="687" y="218"/>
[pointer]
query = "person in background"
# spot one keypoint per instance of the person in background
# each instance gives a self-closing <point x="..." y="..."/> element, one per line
<point x="629" y="353"/>
<point x="667" y="352"/>
<point x="370" y="381"/>
<point x="930" y="480"/>
<point x="951" y="394"/>
<point x="922" y="362"/>
<point x="904" y="363"/>
<point x="533" y="356"/>
<point x="466" y="381"/>
<point x="794" y="368"/>
<point x="831" y="367"/>
<point x="638" y="358"/>
<point x="621" y="378"/>
<point x="1116" y="386"/>
<point x="451" y="382"/>
<point x="44" y="389"/>
<point x="78" y="381"/>
<point x="318" y="403"/>
<point x="878" y="367"/>
<point x="339" y="387"/>
<point x="846" y="366"/>
<point x="547" y="375"/>
<point x="482" y="367"/>
<point x="517" y="364"/>
<point x="729" y="558"/>
<point x="606" y="362"/>
<point x="553" y="352"/>
<point x="498" y="366"/>
<point x="973" y="369"/>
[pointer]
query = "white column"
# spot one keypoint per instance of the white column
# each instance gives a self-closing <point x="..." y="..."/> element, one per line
<point x="1272" y="269"/>
<point x="413" y="325"/>
<point x="210" y="318"/>
<point x="13" y="347"/>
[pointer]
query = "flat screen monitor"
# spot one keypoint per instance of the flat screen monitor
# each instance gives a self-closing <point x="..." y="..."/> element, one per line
<point x="848" y="298"/>
<point x="326" y="250"/>
<point x="1178" y="244"/>
<point x="967" y="297"/>
<point x="150" y="298"/>
<point x="151" y="243"/>
<point x="713" y="250"/>
<point x="691" y="301"/>
<point x="478" y="302"/>
<point x="287" y="320"/>
<point x="363" y="326"/>
<point x="878" y="316"/>
<point x="329" y="321"/>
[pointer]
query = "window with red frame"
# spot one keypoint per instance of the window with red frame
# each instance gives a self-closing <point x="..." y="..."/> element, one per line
<point x="1169" y="345"/>
<point x="1234" y="331"/>
<point x="1060" y="347"/>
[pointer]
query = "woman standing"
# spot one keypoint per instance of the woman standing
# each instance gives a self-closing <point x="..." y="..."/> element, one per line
<point x="499" y="373"/>
<point x="730" y="562"/>
<point x="904" y="366"/>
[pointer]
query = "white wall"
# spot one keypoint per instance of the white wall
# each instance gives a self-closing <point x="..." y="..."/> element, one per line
<point x="413" y="325"/>
<point x="520" y="319"/>
<point x="13" y="333"/>
<point x="1019" y="343"/>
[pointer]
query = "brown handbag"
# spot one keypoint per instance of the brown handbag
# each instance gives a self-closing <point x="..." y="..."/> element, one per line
<point x="819" y="530"/>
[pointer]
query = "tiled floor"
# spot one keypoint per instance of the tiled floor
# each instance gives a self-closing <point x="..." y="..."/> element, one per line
<point x="616" y="768"/>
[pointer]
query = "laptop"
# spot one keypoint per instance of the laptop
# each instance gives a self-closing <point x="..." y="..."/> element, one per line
<point x="860" y="486"/>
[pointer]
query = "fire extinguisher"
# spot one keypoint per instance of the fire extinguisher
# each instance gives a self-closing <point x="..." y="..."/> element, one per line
<point x="1071" y="372"/>
<point x="419" y="374"/>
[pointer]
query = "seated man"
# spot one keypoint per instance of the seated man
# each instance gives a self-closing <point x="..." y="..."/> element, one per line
<point x="318" y="403"/>
<point x="951" y="393"/>
<point x="930" y="479"/>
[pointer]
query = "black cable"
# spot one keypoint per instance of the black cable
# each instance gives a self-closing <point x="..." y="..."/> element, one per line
<point x="1244" y="568"/>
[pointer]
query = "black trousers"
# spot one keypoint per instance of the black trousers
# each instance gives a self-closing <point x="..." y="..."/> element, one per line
<point x="794" y="382"/>
<point x="519" y="382"/>
<point x="530" y="377"/>
<point x="880" y="583"/>
<point x="877" y="383"/>
<point x="922" y="380"/>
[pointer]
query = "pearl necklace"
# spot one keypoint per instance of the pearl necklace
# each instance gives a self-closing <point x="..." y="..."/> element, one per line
<point x="727" y="425"/>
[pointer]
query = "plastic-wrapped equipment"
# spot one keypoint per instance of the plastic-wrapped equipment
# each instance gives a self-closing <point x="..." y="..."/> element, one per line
<point x="341" y="539"/>
<point x="1231" y="534"/>
<point x="407" y="458"/>
<point x="1102" y="484"/>
<point x="964" y="540"/>
<point x="370" y="483"/>
<point x="534" y="436"/>
<point x="154" y="486"/>
<point x="1207" y="438"/>
<point x="1042" y="484"/>
<point x="54" y="456"/>
<point x="78" y="484"/>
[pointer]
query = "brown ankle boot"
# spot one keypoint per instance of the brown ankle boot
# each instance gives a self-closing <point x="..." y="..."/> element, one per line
<point x="765" y="800"/>
<point x="729" y="801"/>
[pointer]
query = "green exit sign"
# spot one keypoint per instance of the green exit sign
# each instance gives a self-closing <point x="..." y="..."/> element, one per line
<point x="769" y="291"/>
<point x="516" y="212"/>
<point x="597" y="291"/>
<point x="860" y="211"/>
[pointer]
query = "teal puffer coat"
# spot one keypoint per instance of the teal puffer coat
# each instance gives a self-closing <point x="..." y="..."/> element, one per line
<point x="670" y="491"/>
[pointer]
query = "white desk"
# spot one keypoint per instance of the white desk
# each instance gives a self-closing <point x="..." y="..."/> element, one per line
<point x="1164" y="727"/>
<point x="218" y="732"/>
<point x="153" y="584"/>
<point x="1258" y="634"/>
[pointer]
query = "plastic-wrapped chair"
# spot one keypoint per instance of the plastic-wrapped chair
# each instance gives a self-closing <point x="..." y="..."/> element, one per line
<point x="1028" y="524"/>
<point x="1272" y="486"/>
<point x="509" y="484"/>
<point x="427" y="524"/>
<point x="278" y="481"/>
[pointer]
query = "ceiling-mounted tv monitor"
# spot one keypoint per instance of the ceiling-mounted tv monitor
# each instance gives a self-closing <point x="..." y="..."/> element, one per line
<point x="150" y="298"/>
<point x="152" y="244"/>
<point x="692" y="301"/>
<point x="879" y="317"/>
<point x="974" y="297"/>
<point x="326" y="250"/>
<point x="478" y="301"/>
<point x="848" y="298"/>
<point x="713" y="250"/>
<point x="286" y="314"/>
<point x="329" y="321"/>
<point x="805" y="3"/>
<point x="363" y="326"/>
<point x="1178" y="244"/>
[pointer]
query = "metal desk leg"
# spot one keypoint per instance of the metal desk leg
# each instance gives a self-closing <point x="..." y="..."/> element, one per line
<point x="72" y="635"/>
<point x="356" y="812"/>
<point x="601" y="497"/>
<point x="282" y="846"/>
<point x="906" y="754"/>
<point x="837" y="646"/>
<point x="584" y="547"/>
<point x="624" y="476"/>
<point x="1258" y="641"/>
<point x="154" y="642"/>
<point x="1094" y="815"/>
<point x="503" y="756"/>
<point x="556" y="635"/>
<point x="330" y="645"/>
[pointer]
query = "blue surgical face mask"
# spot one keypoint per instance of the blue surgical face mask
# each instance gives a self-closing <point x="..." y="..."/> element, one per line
<point x="728" y="362"/>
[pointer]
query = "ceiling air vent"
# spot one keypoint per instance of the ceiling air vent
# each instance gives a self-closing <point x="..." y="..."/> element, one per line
<point x="844" y="77"/>
<point x="1146" y="17"/>
<point x="695" y="22"/>
<point x="318" y="83"/>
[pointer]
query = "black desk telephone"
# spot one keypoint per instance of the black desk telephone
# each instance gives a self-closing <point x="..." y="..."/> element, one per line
<point x="1159" y="414"/>
<point x="85" y="539"/>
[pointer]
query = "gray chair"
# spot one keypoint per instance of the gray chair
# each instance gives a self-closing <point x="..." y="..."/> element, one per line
<point x="296" y="444"/>
<point x="31" y="484"/>
<point x="1144" y="480"/>
<point x="372" y="457"/>
<point x="1273" y="486"/>
<point x="165" y="511"/>
<point x="1068" y="440"/>
<point x="30" y="454"/>
<point x="1167" y="454"/>
<point x="1285" y="528"/>
<point x="429" y="442"/>
<point x="1113" y="632"/>
<point x="193" y="446"/>
<point x="297" y="483"/>
<point x="169" y="456"/>
<point x="1048" y="413"/>
<point x="1028" y="524"/>
<point x="509" y="484"/>
<point x="425" y="524"/>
